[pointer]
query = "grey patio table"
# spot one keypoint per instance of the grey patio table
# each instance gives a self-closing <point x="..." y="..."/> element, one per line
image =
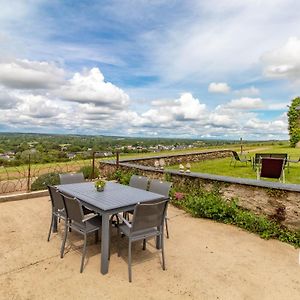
<point x="114" y="199"/>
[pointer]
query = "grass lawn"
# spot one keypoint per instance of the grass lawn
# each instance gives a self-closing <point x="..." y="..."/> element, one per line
<point x="222" y="167"/>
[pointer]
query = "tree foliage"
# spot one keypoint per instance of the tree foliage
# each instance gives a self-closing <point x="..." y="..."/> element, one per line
<point x="294" y="122"/>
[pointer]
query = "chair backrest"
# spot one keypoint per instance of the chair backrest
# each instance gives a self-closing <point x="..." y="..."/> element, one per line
<point x="139" y="182"/>
<point x="148" y="215"/>
<point x="160" y="187"/>
<point x="73" y="209"/>
<point x="280" y="155"/>
<point x="235" y="155"/>
<point x="56" y="198"/>
<point x="259" y="156"/>
<point x="71" y="178"/>
<point x="271" y="167"/>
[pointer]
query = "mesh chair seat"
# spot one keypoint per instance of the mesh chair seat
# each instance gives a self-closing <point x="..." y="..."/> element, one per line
<point x="88" y="226"/>
<point x="141" y="234"/>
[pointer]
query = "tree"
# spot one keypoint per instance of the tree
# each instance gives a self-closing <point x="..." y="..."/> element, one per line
<point x="294" y="121"/>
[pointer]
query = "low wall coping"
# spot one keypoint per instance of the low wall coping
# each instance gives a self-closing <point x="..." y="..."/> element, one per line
<point x="22" y="196"/>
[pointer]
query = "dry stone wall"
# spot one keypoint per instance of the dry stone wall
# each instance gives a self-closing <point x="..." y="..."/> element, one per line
<point x="181" y="158"/>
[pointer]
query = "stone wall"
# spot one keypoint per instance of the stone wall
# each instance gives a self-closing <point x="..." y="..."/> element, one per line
<point x="174" y="159"/>
<point x="273" y="199"/>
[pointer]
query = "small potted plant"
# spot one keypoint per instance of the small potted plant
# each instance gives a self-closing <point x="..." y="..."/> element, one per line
<point x="99" y="185"/>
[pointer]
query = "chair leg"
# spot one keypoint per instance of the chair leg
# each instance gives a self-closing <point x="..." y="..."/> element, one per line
<point x="167" y="228"/>
<point x="96" y="237"/>
<point x="163" y="253"/>
<point x="144" y="244"/>
<point x="129" y="261"/>
<point x="50" y="228"/>
<point x="118" y="241"/>
<point x="64" y="240"/>
<point x="83" y="254"/>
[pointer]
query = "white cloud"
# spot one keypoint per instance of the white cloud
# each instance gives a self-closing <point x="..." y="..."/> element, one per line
<point x="221" y="87"/>
<point x="90" y="87"/>
<point x="168" y="112"/>
<point x="245" y="103"/>
<point x="7" y="100"/>
<point x="25" y="74"/>
<point x="248" y="92"/>
<point x="283" y="62"/>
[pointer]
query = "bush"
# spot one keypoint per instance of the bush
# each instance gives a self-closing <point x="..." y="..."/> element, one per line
<point x="46" y="179"/>
<point x="88" y="172"/>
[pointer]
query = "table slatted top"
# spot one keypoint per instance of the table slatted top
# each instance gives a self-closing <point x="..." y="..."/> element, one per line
<point x="114" y="196"/>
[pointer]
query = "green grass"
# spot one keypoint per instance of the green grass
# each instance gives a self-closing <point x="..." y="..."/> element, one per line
<point x="222" y="167"/>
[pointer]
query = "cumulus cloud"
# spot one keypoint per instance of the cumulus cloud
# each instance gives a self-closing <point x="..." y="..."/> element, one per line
<point x="26" y="74"/>
<point x="283" y="62"/>
<point x="221" y="87"/>
<point x="168" y="112"/>
<point x="90" y="87"/>
<point x="37" y="106"/>
<point x="7" y="100"/>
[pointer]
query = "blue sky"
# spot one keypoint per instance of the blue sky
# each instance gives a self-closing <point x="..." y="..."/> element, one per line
<point x="200" y="69"/>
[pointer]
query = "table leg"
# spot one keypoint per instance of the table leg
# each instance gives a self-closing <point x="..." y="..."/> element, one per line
<point x="105" y="244"/>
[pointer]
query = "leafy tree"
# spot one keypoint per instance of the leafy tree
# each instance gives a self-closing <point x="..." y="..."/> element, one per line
<point x="294" y="122"/>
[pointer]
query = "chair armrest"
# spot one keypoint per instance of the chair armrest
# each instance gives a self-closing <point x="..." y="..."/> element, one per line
<point x="89" y="216"/>
<point x="124" y="220"/>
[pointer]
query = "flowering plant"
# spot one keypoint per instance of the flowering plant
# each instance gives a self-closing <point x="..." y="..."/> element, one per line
<point x="178" y="195"/>
<point x="99" y="184"/>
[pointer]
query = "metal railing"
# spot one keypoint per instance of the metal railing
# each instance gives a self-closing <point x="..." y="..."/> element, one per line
<point x="20" y="178"/>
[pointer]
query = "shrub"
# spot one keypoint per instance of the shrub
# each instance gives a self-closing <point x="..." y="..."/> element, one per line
<point x="46" y="179"/>
<point x="88" y="172"/>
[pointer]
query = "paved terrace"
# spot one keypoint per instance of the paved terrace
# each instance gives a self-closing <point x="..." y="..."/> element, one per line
<point x="205" y="260"/>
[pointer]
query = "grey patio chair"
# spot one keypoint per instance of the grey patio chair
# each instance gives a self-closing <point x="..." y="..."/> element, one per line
<point x="147" y="222"/>
<point x="69" y="178"/>
<point x="57" y="206"/>
<point x="83" y="224"/>
<point x="235" y="158"/>
<point x="139" y="182"/>
<point x="162" y="188"/>
<point x="271" y="168"/>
